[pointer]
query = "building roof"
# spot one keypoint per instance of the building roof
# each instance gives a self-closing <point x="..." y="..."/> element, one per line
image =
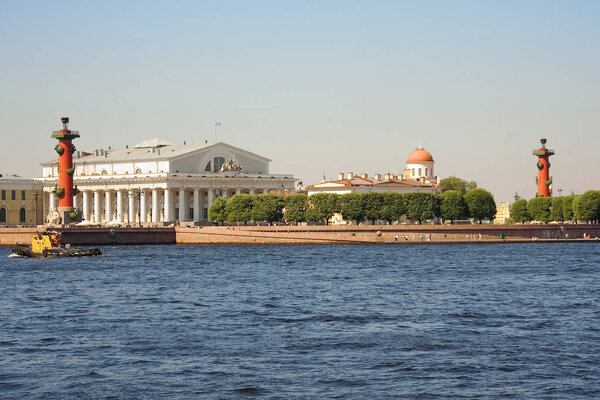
<point x="358" y="181"/>
<point x="152" y="142"/>
<point x="419" y="155"/>
<point x="161" y="152"/>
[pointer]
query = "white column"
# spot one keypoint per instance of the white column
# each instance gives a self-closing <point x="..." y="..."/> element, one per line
<point x="76" y="201"/>
<point x="155" y="209"/>
<point x="86" y="205"/>
<point x="108" y="206"/>
<point x="96" y="206"/>
<point x="197" y="205"/>
<point x="211" y="198"/>
<point x="52" y="201"/>
<point x="182" y="213"/>
<point x="142" y="206"/>
<point x="168" y="201"/>
<point x="44" y="206"/>
<point x="132" y="211"/>
<point x="119" y="206"/>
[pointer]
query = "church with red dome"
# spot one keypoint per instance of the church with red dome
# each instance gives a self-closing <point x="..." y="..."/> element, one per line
<point x="417" y="176"/>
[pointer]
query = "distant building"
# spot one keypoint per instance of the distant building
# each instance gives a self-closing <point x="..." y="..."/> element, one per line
<point x="418" y="176"/>
<point x="156" y="181"/>
<point x="502" y="212"/>
<point x="20" y="201"/>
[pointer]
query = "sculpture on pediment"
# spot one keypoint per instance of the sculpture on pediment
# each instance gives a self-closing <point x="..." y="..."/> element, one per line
<point x="231" y="165"/>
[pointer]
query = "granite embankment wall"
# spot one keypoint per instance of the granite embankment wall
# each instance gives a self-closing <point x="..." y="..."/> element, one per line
<point x="93" y="236"/>
<point x="308" y="234"/>
<point x="382" y="234"/>
<point x="10" y="236"/>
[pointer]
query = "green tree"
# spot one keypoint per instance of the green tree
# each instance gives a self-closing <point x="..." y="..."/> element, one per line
<point x="373" y="203"/>
<point x="539" y="208"/>
<point x="575" y="206"/>
<point x="556" y="209"/>
<point x="268" y="207"/>
<point x="322" y="206"/>
<point x="519" y="212"/>
<point x="588" y="206"/>
<point x="567" y="207"/>
<point x="454" y="183"/>
<point x="393" y="206"/>
<point x="239" y="208"/>
<point x="481" y="204"/>
<point x="217" y="212"/>
<point x="452" y="205"/>
<point x="422" y="206"/>
<point x="295" y="207"/>
<point x="353" y="206"/>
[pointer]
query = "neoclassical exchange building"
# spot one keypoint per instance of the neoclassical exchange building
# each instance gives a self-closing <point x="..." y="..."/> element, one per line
<point x="158" y="182"/>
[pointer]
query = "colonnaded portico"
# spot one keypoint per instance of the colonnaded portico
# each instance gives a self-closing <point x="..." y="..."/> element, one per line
<point x="153" y="202"/>
<point x="134" y="189"/>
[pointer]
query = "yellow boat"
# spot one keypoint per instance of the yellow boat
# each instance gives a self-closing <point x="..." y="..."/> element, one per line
<point x="47" y="244"/>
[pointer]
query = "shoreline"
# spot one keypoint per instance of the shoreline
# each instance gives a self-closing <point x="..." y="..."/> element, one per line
<point x="319" y="234"/>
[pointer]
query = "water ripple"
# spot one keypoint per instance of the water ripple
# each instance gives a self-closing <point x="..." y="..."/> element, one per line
<point x="305" y="322"/>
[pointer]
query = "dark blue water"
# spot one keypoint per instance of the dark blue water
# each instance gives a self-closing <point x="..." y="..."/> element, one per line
<point x="309" y="322"/>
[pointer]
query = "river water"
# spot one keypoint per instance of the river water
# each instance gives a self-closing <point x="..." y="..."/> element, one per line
<point x="304" y="322"/>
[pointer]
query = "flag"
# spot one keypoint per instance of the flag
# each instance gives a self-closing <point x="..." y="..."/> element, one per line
<point x="217" y="123"/>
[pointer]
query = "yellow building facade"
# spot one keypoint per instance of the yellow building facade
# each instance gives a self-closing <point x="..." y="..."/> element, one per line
<point x="502" y="213"/>
<point x="20" y="202"/>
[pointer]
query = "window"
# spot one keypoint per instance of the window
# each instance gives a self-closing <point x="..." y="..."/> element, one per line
<point x="104" y="172"/>
<point x="177" y="212"/>
<point x="207" y="168"/>
<point x="3" y="214"/>
<point x="13" y="194"/>
<point x="138" y="171"/>
<point x="4" y="195"/>
<point x="413" y="172"/>
<point x="22" y="195"/>
<point x="191" y="214"/>
<point x="218" y="163"/>
<point x="420" y="170"/>
<point x="205" y="213"/>
<point x="23" y="215"/>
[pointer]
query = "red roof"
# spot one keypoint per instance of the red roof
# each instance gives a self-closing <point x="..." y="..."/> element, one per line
<point x="419" y="155"/>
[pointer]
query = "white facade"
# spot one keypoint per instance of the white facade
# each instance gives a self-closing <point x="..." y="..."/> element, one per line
<point x="161" y="184"/>
<point x="420" y="169"/>
<point x="357" y="184"/>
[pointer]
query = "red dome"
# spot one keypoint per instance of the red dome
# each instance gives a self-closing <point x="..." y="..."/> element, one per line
<point x="419" y="155"/>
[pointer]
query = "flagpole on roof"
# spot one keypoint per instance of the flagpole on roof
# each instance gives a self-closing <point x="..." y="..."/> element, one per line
<point x="217" y="123"/>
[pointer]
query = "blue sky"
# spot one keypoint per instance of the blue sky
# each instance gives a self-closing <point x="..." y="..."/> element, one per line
<point x="318" y="87"/>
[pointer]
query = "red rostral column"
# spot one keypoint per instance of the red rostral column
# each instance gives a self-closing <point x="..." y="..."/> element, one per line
<point x="544" y="180"/>
<point x="64" y="190"/>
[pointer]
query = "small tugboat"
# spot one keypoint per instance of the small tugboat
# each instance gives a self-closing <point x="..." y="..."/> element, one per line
<point x="47" y="244"/>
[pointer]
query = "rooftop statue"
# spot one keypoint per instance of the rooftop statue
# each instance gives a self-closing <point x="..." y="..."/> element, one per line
<point x="231" y="165"/>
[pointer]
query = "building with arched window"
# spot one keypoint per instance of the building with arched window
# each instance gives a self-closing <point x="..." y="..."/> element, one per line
<point x="158" y="182"/>
<point x="20" y="201"/>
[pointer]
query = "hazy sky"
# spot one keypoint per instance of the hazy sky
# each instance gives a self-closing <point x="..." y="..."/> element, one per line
<point x="315" y="86"/>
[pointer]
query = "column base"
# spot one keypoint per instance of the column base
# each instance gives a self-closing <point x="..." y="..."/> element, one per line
<point x="64" y="216"/>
